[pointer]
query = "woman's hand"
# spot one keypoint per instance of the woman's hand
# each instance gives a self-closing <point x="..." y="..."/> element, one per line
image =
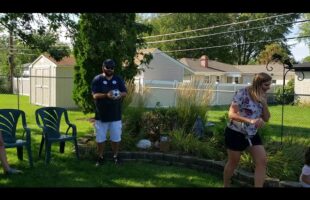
<point x="258" y="122"/>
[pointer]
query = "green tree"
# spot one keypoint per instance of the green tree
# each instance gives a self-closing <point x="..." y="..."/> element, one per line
<point x="180" y="22"/>
<point x="102" y="36"/>
<point x="23" y="54"/>
<point x="36" y="31"/>
<point x="265" y="56"/>
<point x="306" y="59"/>
<point x="39" y="31"/>
<point x="304" y="30"/>
<point x="243" y="37"/>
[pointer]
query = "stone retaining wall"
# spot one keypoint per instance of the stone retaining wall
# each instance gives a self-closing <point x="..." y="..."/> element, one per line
<point x="241" y="177"/>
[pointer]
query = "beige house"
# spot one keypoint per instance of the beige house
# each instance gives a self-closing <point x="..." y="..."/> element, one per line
<point x="248" y="72"/>
<point x="211" y="71"/>
<point x="302" y="87"/>
<point x="51" y="82"/>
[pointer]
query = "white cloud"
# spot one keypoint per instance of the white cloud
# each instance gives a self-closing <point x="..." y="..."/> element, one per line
<point x="300" y="51"/>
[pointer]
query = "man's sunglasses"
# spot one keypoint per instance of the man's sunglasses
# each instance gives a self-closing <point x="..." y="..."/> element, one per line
<point x="110" y="68"/>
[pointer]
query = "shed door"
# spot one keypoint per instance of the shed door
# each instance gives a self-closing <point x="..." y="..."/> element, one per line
<point x="42" y="87"/>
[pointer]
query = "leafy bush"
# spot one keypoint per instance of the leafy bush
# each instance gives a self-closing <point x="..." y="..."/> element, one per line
<point x="184" y="143"/>
<point x="189" y="144"/>
<point x="134" y="107"/>
<point x="4" y="86"/>
<point x="152" y="124"/>
<point x="129" y="142"/>
<point x="133" y="120"/>
<point x="169" y="118"/>
<point x="284" y="160"/>
<point x="288" y="157"/>
<point x="289" y="93"/>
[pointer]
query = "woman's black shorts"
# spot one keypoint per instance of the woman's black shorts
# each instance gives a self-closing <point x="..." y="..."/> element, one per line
<point x="237" y="141"/>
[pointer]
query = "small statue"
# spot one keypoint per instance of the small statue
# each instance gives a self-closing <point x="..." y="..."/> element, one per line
<point x="199" y="128"/>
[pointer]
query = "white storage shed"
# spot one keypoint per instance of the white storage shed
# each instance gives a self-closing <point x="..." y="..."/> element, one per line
<point x="51" y="82"/>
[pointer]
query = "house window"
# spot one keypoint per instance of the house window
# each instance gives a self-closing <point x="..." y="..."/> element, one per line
<point x="232" y="80"/>
<point x="207" y="79"/>
<point x="274" y="81"/>
<point x="218" y="79"/>
<point x="236" y="80"/>
<point x="229" y="79"/>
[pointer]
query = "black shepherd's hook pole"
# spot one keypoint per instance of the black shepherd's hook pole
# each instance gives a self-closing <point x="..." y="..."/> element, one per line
<point x="286" y="65"/>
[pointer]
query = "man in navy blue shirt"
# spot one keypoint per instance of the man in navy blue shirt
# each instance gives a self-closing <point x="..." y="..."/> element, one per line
<point x="108" y="91"/>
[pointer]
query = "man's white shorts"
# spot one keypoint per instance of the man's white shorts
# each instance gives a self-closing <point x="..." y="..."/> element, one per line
<point x="115" y="130"/>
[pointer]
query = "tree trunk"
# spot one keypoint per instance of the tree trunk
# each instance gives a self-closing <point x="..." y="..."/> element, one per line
<point x="11" y="63"/>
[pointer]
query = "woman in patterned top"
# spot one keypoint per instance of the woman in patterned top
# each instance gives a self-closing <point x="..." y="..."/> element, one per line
<point x="247" y="113"/>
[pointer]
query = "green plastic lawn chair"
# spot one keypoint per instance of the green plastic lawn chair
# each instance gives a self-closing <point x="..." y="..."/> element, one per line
<point x="49" y="120"/>
<point x="8" y="122"/>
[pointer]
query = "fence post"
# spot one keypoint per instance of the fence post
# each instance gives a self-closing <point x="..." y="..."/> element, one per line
<point x="17" y="80"/>
<point x="175" y="92"/>
<point x="217" y="94"/>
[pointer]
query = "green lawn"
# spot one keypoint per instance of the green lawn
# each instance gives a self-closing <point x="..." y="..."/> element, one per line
<point x="296" y="120"/>
<point x="77" y="117"/>
<point x="66" y="171"/>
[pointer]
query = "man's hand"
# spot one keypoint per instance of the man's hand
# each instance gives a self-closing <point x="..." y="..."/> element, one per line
<point x="100" y="95"/>
<point x="110" y="95"/>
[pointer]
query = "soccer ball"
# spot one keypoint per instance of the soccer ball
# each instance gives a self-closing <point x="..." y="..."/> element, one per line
<point x="116" y="93"/>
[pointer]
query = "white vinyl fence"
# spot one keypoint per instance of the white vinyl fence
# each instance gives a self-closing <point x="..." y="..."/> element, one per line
<point x="163" y="93"/>
<point x="21" y="85"/>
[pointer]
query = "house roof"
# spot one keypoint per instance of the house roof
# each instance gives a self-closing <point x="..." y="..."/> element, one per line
<point x="153" y="51"/>
<point x="26" y="65"/>
<point x="66" y="61"/>
<point x="305" y="64"/>
<point x="302" y="67"/>
<point x="252" y="69"/>
<point x="213" y="66"/>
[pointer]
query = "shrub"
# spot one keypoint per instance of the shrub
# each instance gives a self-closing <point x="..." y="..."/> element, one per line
<point x="189" y="144"/>
<point x="4" y="85"/>
<point x="129" y="142"/>
<point x="288" y="97"/>
<point x="287" y="157"/>
<point x="133" y="120"/>
<point x="152" y="124"/>
<point x="134" y="109"/>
